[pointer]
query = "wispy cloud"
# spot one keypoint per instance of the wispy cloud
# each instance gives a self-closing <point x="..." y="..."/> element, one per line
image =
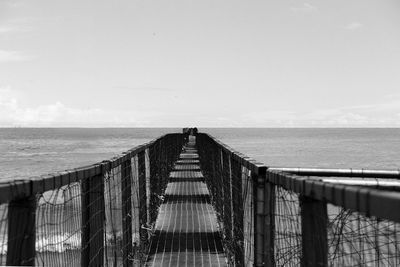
<point x="354" y="26"/>
<point x="383" y="114"/>
<point x="15" y="27"/>
<point x="304" y="8"/>
<point x="7" y="29"/>
<point x="12" y="113"/>
<point x="8" y="56"/>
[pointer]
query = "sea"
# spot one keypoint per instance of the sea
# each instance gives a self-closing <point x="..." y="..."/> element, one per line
<point x="30" y="152"/>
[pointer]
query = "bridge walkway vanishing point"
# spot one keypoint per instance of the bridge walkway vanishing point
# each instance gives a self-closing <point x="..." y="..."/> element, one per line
<point x="186" y="232"/>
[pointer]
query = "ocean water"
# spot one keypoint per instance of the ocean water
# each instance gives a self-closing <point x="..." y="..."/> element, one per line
<point x="26" y="152"/>
<point x="367" y="148"/>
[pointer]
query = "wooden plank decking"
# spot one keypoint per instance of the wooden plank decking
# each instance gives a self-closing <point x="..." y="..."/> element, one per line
<point x="186" y="231"/>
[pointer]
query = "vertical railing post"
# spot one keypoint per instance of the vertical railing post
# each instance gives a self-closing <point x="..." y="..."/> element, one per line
<point x="21" y="232"/>
<point x="314" y="232"/>
<point x="142" y="200"/>
<point x="126" y="177"/>
<point x="269" y="232"/>
<point x="258" y="178"/>
<point x="93" y="217"/>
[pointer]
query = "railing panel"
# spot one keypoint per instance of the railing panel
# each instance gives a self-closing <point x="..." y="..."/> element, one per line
<point x="357" y="240"/>
<point x="286" y="221"/>
<point x="287" y="228"/>
<point x="226" y="186"/>
<point x="219" y="192"/>
<point x="135" y="201"/>
<point x="153" y="178"/>
<point x="58" y="226"/>
<point x="248" y="217"/>
<point x="113" y="211"/>
<point x="237" y="213"/>
<point x="126" y="193"/>
<point x="89" y="216"/>
<point x="143" y="206"/>
<point x="3" y="233"/>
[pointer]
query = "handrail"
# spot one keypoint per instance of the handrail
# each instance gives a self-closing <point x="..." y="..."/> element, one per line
<point x="365" y="199"/>
<point x="248" y="162"/>
<point x="93" y="194"/>
<point x="302" y="193"/>
<point x="393" y="174"/>
<point x="13" y="189"/>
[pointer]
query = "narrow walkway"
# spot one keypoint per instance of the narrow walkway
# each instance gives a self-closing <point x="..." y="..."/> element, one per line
<point x="186" y="231"/>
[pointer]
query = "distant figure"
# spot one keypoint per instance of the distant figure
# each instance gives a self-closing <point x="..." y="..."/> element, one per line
<point x="186" y="132"/>
<point x="194" y="131"/>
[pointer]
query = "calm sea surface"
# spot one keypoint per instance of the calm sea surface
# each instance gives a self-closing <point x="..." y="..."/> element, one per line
<point x="30" y="152"/>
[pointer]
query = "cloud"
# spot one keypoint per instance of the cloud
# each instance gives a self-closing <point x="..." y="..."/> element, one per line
<point x="383" y="114"/>
<point x="6" y="29"/>
<point x="15" y="27"/>
<point x="305" y="8"/>
<point x="59" y="115"/>
<point x="354" y="26"/>
<point x="9" y="56"/>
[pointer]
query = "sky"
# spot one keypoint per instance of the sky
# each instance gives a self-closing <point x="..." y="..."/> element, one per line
<point x="208" y="63"/>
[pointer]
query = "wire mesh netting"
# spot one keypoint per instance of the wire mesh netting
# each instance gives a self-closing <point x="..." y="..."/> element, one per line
<point x="287" y="228"/>
<point x="113" y="218"/>
<point x="3" y="233"/>
<point x="354" y="239"/>
<point x="340" y="237"/>
<point x="357" y="240"/>
<point x="100" y="219"/>
<point x="248" y="217"/>
<point x="231" y="187"/>
<point x="226" y="185"/>
<point x="58" y="226"/>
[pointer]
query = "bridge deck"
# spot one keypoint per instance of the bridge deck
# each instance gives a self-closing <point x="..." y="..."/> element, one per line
<point x="186" y="231"/>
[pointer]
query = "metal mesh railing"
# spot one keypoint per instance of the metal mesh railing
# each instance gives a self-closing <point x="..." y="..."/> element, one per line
<point x="58" y="224"/>
<point x="278" y="218"/>
<point x="232" y="190"/>
<point x="248" y="217"/>
<point x="101" y="215"/>
<point x="287" y="239"/>
<point x="3" y="233"/>
<point x="357" y="240"/>
<point x="113" y="217"/>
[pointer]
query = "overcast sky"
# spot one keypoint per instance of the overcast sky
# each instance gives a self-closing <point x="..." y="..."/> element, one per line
<point x="213" y="63"/>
